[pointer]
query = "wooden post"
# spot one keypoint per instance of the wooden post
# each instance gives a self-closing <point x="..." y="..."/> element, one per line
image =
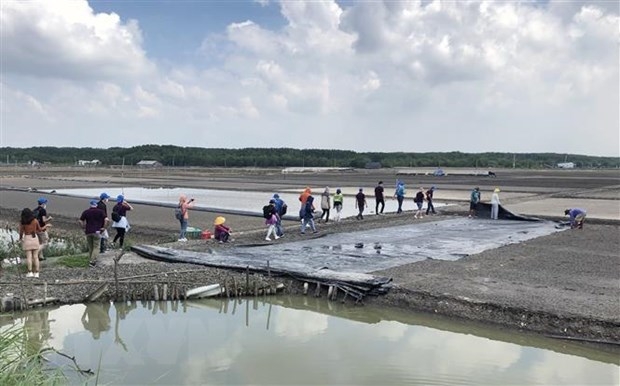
<point x="164" y="295"/>
<point x="317" y="291"/>
<point x="255" y="288"/>
<point x="156" y="292"/>
<point x="236" y="293"/>
<point x="247" y="278"/>
<point x="306" y="288"/>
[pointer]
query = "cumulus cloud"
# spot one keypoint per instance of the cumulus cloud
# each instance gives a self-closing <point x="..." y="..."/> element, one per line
<point x="66" y="39"/>
<point x="459" y="72"/>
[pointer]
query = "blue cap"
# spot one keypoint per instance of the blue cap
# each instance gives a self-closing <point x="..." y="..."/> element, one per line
<point x="120" y="198"/>
<point x="103" y="196"/>
<point x="93" y="203"/>
<point x="42" y="200"/>
<point x="276" y="195"/>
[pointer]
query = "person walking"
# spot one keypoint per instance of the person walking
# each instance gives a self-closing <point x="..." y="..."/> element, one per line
<point x="94" y="222"/>
<point x="184" y="206"/>
<point x="221" y="233"/>
<point x="379" y="198"/>
<point x="419" y="201"/>
<point x="28" y="229"/>
<point x="576" y="216"/>
<point x="40" y="213"/>
<point x="119" y="219"/>
<point x="271" y="219"/>
<point x="302" y="199"/>
<point x="103" y="199"/>
<point x="360" y="204"/>
<point x="495" y="204"/>
<point x="325" y="204"/>
<point x="307" y="215"/>
<point x="281" y="209"/>
<point x="474" y="199"/>
<point x="338" y="200"/>
<point x="399" y="194"/>
<point x="430" y="208"/>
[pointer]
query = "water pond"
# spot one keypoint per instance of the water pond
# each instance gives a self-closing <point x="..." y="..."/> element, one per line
<point x="302" y="340"/>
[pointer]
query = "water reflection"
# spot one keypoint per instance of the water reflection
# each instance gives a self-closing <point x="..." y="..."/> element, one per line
<point x="293" y="340"/>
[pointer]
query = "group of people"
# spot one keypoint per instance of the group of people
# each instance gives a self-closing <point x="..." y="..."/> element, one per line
<point x="95" y="221"/>
<point x="34" y="224"/>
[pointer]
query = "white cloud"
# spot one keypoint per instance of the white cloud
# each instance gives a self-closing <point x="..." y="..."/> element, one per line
<point x="65" y="39"/>
<point x="461" y="72"/>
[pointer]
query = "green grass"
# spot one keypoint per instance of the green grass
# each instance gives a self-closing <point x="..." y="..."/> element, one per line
<point x="18" y="368"/>
<point x="73" y="261"/>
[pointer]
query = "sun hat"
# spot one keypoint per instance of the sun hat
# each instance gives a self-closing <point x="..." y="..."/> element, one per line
<point x="219" y="220"/>
<point x="120" y="198"/>
<point x="104" y="195"/>
<point x="496" y="190"/>
<point x="42" y="200"/>
<point x="93" y="203"/>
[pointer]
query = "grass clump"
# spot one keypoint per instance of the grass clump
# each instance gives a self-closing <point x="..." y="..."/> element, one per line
<point x="17" y="367"/>
<point x="73" y="261"/>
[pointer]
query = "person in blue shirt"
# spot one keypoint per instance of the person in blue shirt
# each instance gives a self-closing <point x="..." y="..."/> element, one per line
<point x="400" y="195"/>
<point x="474" y="200"/>
<point x="281" y="210"/>
<point x="576" y="216"/>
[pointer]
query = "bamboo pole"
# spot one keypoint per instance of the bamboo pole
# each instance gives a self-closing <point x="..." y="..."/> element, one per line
<point x="97" y="293"/>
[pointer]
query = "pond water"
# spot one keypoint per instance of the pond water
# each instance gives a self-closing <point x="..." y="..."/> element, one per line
<point x="250" y="202"/>
<point x="302" y="340"/>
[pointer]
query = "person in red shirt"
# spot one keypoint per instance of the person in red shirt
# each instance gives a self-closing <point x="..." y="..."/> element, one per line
<point x="221" y="232"/>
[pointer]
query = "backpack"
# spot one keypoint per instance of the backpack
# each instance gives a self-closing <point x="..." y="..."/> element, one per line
<point x="35" y="213"/>
<point x="267" y="211"/>
<point x="283" y="209"/>
<point x="178" y="213"/>
<point x="116" y="217"/>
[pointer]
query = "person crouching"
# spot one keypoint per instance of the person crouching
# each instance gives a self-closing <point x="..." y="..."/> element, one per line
<point x="221" y="232"/>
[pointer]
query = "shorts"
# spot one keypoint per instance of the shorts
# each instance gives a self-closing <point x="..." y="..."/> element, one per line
<point x="419" y="204"/>
<point x="473" y="206"/>
<point x="43" y="237"/>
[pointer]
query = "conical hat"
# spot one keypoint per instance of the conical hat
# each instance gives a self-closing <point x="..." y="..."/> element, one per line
<point x="219" y="220"/>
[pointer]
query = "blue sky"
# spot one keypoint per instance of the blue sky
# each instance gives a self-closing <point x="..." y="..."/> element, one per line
<point x="174" y="29"/>
<point x="506" y="76"/>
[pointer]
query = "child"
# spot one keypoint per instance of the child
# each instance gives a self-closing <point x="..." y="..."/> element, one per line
<point x="271" y="221"/>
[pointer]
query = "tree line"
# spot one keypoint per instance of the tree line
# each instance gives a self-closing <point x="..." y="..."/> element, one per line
<point x="172" y="156"/>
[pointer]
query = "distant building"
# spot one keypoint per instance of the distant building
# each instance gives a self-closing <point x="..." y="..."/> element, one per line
<point x="94" y="162"/>
<point x="149" y="164"/>
<point x="566" y="165"/>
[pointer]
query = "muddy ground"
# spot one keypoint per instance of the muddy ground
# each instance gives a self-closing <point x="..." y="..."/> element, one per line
<point x="566" y="284"/>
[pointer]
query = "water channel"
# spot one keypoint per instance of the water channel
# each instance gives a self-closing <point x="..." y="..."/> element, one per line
<point x="302" y="340"/>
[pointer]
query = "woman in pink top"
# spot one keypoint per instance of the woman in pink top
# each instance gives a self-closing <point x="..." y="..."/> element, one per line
<point x="184" y="204"/>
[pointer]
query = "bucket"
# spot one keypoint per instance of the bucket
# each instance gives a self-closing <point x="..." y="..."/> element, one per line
<point x="205" y="235"/>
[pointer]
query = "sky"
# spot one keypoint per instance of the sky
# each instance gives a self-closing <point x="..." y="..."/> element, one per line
<point x="411" y="75"/>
